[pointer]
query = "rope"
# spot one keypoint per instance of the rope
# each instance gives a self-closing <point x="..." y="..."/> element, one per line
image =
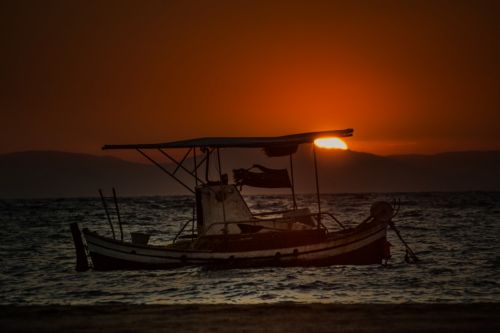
<point x="410" y="255"/>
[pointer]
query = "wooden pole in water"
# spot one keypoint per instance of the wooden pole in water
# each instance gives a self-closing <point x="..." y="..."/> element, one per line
<point x="107" y="213"/>
<point x="82" y="263"/>
<point x="118" y="214"/>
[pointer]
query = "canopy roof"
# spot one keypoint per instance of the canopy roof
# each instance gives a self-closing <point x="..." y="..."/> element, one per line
<point x="239" y="142"/>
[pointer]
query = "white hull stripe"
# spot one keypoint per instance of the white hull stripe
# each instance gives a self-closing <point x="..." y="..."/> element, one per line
<point x="106" y="250"/>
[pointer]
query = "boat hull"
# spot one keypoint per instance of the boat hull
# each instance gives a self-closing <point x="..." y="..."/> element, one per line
<point x="362" y="245"/>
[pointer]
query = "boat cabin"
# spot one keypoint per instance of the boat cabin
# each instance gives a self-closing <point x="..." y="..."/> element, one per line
<point x="220" y="209"/>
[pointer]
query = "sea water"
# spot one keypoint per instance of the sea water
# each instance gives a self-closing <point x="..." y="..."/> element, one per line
<point x="455" y="235"/>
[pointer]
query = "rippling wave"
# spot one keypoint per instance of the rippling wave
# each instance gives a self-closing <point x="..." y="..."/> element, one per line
<point x="456" y="235"/>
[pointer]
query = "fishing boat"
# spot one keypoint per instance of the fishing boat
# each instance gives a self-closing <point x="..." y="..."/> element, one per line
<point x="225" y="232"/>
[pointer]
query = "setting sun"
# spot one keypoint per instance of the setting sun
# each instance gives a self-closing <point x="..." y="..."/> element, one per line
<point x="331" y="143"/>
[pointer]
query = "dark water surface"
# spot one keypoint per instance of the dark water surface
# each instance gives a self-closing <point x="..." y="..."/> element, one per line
<point x="456" y="235"/>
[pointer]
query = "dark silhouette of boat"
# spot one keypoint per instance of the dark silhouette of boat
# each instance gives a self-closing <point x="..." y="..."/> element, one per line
<point x="226" y="233"/>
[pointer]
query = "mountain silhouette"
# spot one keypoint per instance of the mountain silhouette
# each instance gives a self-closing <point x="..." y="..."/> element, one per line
<point x="51" y="174"/>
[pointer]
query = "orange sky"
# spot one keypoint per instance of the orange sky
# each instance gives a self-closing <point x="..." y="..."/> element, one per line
<point x="416" y="77"/>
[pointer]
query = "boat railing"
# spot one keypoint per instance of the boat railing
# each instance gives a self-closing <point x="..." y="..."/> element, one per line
<point x="302" y="215"/>
<point x="274" y="212"/>
<point x="334" y="219"/>
<point x="328" y="214"/>
<point x="288" y="220"/>
<point x="182" y="229"/>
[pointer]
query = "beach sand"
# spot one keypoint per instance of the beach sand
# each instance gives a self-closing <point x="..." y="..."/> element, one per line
<point x="283" y="317"/>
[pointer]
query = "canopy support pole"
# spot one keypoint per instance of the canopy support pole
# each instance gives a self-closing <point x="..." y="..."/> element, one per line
<point x="179" y="164"/>
<point x="207" y="164"/>
<point x="218" y="163"/>
<point x="164" y="170"/>
<point x="317" y="185"/>
<point x="195" y="203"/>
<point x="293" y="183"/>
<point x="195" y="167"/>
